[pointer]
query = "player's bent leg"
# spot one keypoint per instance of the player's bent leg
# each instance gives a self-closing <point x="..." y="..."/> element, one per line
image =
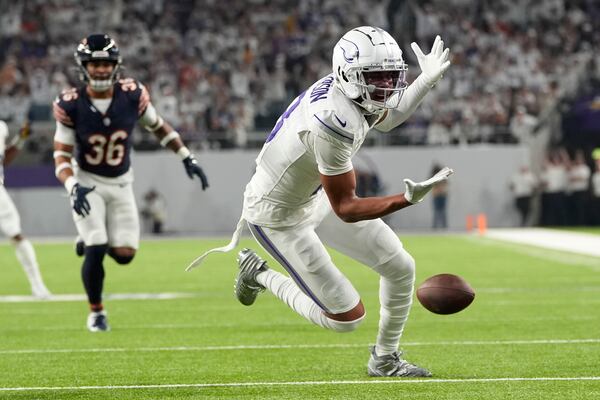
<point x="255" y="276"/>
<point x="300" y="252"/>
<point x="122" y="255"/>
<point x="26" y="256"/>
<point x="374" y="244"/>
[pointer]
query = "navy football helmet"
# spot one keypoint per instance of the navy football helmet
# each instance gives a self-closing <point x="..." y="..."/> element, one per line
<point x="98" y="47"/>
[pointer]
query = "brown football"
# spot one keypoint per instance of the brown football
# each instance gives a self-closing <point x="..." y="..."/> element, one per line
<point x="445" y="294"/>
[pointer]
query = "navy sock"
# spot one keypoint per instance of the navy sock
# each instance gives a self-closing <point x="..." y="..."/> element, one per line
<point x="92" y="272"/>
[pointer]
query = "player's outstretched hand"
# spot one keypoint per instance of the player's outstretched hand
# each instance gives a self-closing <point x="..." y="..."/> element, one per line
<point x="192" y="168"/>
<point x="79" y="201"/>
<point x="416" y="191"/>
<point x="434" y="64"/>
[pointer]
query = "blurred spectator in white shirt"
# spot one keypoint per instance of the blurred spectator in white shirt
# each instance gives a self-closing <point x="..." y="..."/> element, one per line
<point x="554" y="183"/>
<point x="522" y="125"/>
<point x="522" y="186"/>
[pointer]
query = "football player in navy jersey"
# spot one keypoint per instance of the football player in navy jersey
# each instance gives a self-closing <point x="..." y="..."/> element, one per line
<point x="97" y="120"/>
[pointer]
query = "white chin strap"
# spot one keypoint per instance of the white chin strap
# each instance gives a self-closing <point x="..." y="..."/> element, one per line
<point x="98" y="85"/>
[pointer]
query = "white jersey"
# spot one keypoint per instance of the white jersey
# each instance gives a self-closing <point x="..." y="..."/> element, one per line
<point x="319" y="133"/>
<point x="3" y="137"/>
<point x="523" y="184"/>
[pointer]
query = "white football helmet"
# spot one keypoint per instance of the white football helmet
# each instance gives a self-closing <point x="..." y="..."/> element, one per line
<point x="369" y="49"/>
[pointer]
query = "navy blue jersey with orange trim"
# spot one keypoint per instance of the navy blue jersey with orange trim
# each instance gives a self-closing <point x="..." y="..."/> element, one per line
<point x="103" y="141"/>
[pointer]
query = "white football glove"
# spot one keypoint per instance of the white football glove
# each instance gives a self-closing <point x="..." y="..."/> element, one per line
<point x="434" y="64"/>
<point x="416" y="191"/>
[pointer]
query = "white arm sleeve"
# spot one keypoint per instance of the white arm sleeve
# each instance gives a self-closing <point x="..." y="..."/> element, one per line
<point x="150" y="117"/>
<point x="409" y="102"/>
<point x="64" y="134"/>
<point x="333" y="156"/>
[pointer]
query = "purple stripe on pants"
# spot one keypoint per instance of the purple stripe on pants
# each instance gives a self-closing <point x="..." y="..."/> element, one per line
<point x="260" y="235"/>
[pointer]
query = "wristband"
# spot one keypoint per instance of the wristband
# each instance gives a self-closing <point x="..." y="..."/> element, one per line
<point x="70" y="182"/>
<point x="157" y="125"/>
<point x="168" y="137"/>
<point x="62" y="153"/>
<point x="183" y="152"/>
<point x="61" y="166"/>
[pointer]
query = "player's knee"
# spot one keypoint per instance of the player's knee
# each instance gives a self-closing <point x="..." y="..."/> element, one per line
<point x="347" y="321"/>
<point x="400" y="266"/>
<point x="95" y="252"/>
<point x="345" y="326"/>
<point x="122" y="255"/>
<point x="17" y="238"/>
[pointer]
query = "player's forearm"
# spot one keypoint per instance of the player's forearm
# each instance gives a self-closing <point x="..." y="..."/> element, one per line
<point x="63" y="168"/>
<point x="411" y="99"/>
<point x="170" y="138"/>
<point x="360" y="209"/>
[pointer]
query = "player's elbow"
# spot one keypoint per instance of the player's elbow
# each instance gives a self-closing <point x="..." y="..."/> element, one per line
<point x="344" y="212"/>
<point x="348" y="218"/>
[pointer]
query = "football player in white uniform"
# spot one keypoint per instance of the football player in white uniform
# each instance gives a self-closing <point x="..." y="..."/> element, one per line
<point x="302" y="195"/>
<point x="98" y="119"/>
<point x="10" y="223"/>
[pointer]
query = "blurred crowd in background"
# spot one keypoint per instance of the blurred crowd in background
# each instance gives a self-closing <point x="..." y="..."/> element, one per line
<point x="222" y="72"/>
<point x="566" y="192"/>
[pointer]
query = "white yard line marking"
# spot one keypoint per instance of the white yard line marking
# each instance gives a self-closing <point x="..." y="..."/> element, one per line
<point x="390" y="381"/>
<point x="302" y="346"/>
<point x="113" y="296"/>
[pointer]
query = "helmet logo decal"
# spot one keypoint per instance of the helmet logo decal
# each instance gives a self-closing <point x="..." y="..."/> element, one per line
<point x="100" y="54"/>
<point x="352" y="53"/>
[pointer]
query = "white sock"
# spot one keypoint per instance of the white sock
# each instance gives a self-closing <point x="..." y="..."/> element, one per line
<point x="286" y="290"/>
<point x="395" y="296"/>
<point x="26" y="256"/>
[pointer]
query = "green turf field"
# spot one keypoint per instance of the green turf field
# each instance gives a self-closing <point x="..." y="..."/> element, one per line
<point x="533" y="331"/>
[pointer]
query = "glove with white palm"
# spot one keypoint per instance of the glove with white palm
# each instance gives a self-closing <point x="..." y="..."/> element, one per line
<point x="434" y="64"/>
<point x="416" y="191"/>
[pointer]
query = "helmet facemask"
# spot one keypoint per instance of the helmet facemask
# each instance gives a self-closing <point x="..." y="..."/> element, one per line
<point x="381" y="88"/>
<point x="99" y="85"/>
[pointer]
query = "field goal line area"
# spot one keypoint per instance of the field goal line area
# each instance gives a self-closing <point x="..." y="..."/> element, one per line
<point x="391" y="381"/>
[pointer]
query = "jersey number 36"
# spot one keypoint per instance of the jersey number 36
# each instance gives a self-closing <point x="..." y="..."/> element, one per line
<point x="105" y="150"/>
